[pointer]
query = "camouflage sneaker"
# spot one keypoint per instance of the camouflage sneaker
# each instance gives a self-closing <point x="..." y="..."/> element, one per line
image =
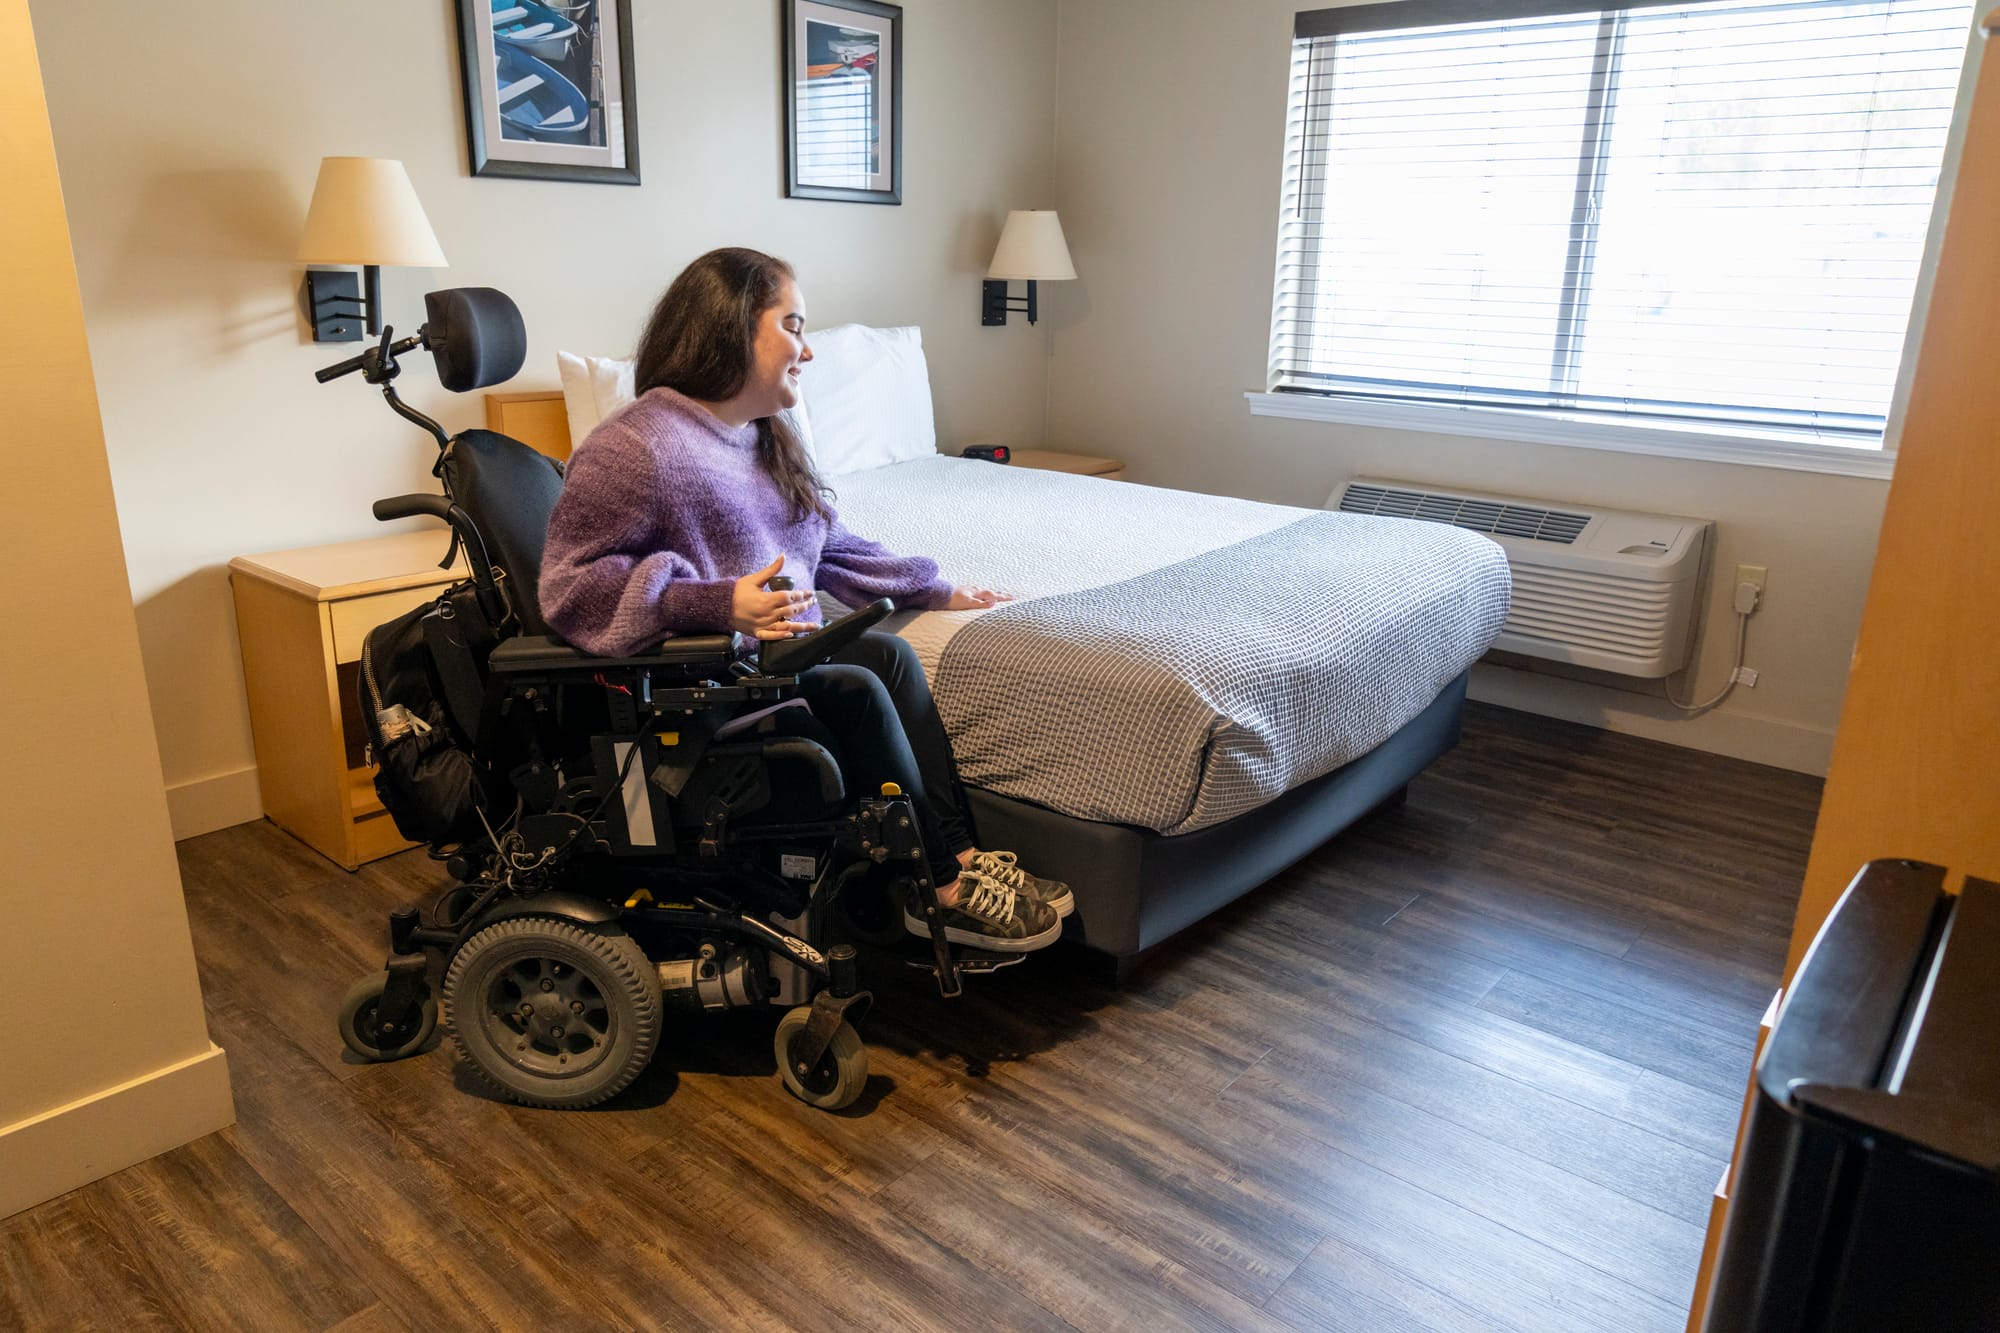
<point x="991" y="915"/>
<point x="1005" y="867"/>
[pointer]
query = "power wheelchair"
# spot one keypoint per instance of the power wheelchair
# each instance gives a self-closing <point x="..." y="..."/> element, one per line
<point x="628" y="840"/>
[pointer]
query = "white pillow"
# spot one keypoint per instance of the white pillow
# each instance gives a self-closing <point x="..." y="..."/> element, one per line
<point x="596" y="386"/>
<point x="871" y="398"/>
<point x="593" y="388"/>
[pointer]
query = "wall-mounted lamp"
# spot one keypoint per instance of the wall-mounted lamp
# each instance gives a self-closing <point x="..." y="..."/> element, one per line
<point x="1032" y="247"/>
<point x="364" y="211"/>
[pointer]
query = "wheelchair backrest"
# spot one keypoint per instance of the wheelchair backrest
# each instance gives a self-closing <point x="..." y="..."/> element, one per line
<point x="476" y="337"/>
<point x="509" y="491"/>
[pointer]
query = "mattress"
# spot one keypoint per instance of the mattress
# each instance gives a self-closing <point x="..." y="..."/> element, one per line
<point x="1172" y="659"/>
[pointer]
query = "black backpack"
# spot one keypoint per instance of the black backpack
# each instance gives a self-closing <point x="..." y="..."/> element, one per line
<point x="413" y="669"/>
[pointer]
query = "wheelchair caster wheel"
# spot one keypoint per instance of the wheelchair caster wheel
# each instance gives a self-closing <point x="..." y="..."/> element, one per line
<point x="841" y="1072"/>
<point x="553" y="1012"/>
<point x="361" y="1024"/>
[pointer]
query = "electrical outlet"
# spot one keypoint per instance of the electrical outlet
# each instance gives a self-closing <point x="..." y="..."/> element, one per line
<point x="1752" y="574"/>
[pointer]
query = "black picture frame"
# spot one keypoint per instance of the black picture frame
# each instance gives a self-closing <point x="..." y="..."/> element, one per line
<point x="829" y="153"/>
<point x="581" y="120"/>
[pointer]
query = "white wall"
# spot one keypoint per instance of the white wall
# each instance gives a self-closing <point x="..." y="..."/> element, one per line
<point x="106" y="1057"/>
<point x="188" y="140"/>
<point x="1168" y="164"/>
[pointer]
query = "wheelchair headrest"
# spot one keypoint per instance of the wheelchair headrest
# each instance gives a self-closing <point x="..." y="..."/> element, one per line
<point x="475" y="335"/>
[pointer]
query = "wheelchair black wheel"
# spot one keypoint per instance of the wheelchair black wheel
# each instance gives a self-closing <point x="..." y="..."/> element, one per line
<point x="553" y="1012"/>
<point x="836" y="1079"/>
<point x="362" y="1028"/>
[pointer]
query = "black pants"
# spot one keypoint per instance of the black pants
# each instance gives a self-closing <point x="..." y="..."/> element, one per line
<point x="874" y="698"/>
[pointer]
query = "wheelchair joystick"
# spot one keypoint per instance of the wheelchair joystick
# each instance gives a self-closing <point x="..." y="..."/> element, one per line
<point x="782" y="583"/>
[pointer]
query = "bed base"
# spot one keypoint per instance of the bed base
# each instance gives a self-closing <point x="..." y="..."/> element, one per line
<point x="1135" y="888"/>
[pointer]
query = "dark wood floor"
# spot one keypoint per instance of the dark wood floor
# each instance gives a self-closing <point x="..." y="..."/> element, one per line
<point x="1474" y="1065"/>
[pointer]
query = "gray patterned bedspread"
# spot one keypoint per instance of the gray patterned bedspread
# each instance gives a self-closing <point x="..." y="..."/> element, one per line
<point x="1256" y="648"/>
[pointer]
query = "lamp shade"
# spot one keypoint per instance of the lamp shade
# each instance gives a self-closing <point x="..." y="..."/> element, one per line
<point x="365" y="211"/>
<point x="1032" y="246"/>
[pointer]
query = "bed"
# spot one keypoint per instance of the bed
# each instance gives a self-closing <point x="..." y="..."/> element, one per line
<point x="1190" y="691"/>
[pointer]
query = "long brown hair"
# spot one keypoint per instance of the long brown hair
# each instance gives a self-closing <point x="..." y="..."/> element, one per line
<point x="699" y="342"/>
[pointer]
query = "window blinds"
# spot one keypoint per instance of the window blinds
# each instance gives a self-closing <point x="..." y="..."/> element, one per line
<point x="1708" y="213"/>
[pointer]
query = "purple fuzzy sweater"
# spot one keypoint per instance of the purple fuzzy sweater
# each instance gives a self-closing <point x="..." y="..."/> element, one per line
<point x="665" y="507"/>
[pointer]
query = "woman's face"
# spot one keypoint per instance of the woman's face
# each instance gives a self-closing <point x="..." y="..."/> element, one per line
<point x="778" y="355"/>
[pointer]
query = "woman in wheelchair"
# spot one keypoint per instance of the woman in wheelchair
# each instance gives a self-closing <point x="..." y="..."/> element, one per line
<point x="678" y="511"/>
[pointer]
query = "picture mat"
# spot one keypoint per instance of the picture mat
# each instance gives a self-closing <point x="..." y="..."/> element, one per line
<point x="808" y="95"/>
<point x="501" y="148"/>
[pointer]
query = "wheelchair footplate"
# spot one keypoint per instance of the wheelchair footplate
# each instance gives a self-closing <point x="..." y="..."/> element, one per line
<point x="918" y="953"/>
<point x="895" y="838"/>
<point x="948" y="962"/>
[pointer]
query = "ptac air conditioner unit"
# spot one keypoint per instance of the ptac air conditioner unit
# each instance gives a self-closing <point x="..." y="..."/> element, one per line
<point x="1600" y="588"/>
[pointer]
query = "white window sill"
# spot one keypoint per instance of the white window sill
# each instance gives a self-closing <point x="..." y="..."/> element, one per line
<point x="1746" y="448"/>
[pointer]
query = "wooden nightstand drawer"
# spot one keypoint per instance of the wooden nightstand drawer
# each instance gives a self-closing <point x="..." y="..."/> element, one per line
<point x="353" y="618"/>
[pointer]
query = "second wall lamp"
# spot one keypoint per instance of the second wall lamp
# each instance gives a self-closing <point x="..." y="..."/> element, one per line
<point x="1031" y="247"/>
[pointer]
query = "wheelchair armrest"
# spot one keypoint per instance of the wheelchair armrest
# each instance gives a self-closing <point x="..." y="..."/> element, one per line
<point x="533" y="652"/>
<point x="788" y="657"/>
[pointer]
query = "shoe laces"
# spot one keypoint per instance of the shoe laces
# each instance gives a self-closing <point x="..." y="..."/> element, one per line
<point x="1001" y="866"/>
<point x="985" y="897"/>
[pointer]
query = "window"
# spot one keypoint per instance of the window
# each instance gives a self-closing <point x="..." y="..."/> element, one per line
<point x="1707" y="216"/>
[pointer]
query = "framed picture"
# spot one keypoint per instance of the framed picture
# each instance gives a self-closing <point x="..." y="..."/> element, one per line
<point x="844" y="101"/>
<point x="548" y="89"/>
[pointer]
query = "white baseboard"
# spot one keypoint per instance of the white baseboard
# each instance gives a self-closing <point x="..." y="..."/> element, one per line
<point x="1761" y="740"/>
<point x="61" y="1150"/>
<point x="218" y="801"/>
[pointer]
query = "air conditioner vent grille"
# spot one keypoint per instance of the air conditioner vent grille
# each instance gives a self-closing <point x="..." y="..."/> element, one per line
<point x="1508" y="520"/>
<point x="1608" y="589"/>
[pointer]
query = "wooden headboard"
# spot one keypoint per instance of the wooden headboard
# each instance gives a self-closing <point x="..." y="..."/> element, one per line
<point x="537" y="419"/>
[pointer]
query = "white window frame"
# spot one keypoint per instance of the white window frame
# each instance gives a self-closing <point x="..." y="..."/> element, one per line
<point x="1537" y="426"/>
<point x="1789" y="449"/>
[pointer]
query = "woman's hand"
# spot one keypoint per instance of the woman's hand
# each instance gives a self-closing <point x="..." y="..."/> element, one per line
<point x="964" y="597"/>
<point x="768" y="615"/>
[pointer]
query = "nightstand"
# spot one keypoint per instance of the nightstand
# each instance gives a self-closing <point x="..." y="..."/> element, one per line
<point x="301" y="616"/>
<point x="1054" y="460"/>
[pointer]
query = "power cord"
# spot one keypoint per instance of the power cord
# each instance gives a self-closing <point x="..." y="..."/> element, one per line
<point x="1746" y="602"/>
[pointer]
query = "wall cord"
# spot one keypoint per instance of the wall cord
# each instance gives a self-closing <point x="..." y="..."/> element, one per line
<point x="1735" y="672"/>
